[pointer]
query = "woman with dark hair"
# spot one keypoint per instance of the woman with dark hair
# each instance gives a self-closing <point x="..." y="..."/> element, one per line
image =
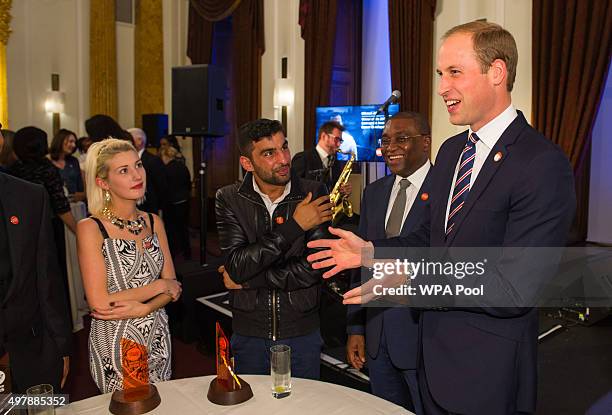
<point x="30" y="146"/>
<point x="100" y="127"/>
<point x="60" y="152"/>
<point x="7" y="155"/>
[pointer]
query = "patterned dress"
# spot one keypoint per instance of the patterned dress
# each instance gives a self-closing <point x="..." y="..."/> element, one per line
<point x="127" y="267"/>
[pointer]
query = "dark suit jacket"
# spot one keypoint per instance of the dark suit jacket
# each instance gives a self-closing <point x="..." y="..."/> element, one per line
<point x="34" y="325"/>
<point x="400" y="324"/>
<point x="308" y="165"/>
<point x="482" y="360"/>
<point x="157" y="184"/>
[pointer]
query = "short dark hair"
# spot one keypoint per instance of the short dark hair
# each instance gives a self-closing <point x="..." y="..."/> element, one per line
<point x="81" y="143"/>
<point x="254" y="131"/>
<point x="172" y="141"/>
<point x="57" y="144"/>
<point x="30" y="143"/>
<point x="419" y="120"/>
<point x="328" y="127"/>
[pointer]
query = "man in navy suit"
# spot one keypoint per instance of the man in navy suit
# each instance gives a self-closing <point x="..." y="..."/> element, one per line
<point x="392" y="206"/>
<point x="34" y="322"/>
<point x="499" y="184"/>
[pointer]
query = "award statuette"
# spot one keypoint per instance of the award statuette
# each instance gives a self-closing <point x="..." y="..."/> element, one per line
<point x="227" y="388"/>
<point x="138" y="395"/>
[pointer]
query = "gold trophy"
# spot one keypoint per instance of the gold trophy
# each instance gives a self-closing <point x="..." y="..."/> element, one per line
<point x="138" y="395"/>
<point x="227" y="388"/>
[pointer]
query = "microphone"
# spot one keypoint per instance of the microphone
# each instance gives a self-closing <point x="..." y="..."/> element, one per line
<point x="395" y="95"/>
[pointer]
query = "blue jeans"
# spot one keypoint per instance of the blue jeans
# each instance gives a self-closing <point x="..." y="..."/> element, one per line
<point x="252" y="354"/>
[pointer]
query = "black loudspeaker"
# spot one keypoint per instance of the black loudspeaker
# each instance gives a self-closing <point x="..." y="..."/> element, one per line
<point x="155" y="127"/>
<point x="197" y="100"/>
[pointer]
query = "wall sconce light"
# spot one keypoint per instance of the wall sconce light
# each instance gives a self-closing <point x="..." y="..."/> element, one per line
<point x="54" y="103"/>
<point x="283" y="92"/>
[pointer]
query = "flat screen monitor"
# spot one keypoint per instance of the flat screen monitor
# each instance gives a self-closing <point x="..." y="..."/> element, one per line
<point x="363" y="128"/>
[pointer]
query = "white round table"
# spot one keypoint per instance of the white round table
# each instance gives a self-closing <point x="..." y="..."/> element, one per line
<point x="188" y="396"/>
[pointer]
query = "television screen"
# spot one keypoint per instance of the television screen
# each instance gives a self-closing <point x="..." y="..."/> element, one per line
<point x="363" y="128"/>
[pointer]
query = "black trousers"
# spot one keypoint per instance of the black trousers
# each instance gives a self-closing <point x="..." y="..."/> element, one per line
<point x="176" y="219"/>
<point x="34" y="360"/>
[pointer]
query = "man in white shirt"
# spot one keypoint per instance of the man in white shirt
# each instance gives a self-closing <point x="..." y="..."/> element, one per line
<point x="393" y="206"/>
<point x="319" y="163"/>
<point x="500" y="184"/>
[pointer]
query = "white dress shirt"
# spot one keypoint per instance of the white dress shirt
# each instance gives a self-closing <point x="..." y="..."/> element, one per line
<point x="271" y="205"/>
<point x="323" y="154"/>
<point x="487" y="138"/>
<point x="416" y="180"/>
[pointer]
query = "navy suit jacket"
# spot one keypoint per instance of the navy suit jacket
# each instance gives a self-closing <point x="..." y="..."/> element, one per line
<point x="483" y="360"/>
<point x="400" y="324"/>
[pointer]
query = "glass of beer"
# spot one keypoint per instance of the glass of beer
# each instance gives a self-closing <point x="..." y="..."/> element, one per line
<point x="40" y="399"/>
<point x="280" y="370"/>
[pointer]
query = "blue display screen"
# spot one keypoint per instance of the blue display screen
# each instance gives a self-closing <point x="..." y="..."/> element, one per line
<point x="363" y="128"/>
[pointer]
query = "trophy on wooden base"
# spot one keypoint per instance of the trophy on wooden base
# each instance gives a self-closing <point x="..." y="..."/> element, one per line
<point x="138" y="395"/>
<point x="227" y="388"/>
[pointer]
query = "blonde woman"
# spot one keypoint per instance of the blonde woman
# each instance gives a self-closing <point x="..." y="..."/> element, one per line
<point x="126" y="265"/>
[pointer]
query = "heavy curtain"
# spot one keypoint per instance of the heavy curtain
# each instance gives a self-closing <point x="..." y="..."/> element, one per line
<point x="5" y="32"/>
<point x="318" y="23"/>
<point x="148" y="60"/>
<point x="572" y="43"/>
<point x="102" y="58"/>
<point x="411" y="51"/>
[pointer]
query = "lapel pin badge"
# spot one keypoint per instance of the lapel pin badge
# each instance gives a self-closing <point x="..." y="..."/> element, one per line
<point x="279" y="220"/>
<point x="14" y="220"/>
<point x="498" y="156"/>
<point x="424" y="196"/>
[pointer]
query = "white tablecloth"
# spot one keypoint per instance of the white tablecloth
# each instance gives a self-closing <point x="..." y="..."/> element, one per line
<point x="78" y="304"/>
<point x="188" y="396"/>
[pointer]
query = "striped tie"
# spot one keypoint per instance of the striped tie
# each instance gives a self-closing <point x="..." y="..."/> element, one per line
<point x="462" y="184"/>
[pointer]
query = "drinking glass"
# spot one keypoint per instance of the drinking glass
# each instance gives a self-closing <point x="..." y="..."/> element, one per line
<point x="44" y="391"/>
<point x="280" y="370"/>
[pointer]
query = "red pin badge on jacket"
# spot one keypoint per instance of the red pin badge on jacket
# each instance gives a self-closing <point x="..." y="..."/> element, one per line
<point x="280" y="220"/>
<point x="14" y="220"/>
<point x="424" y="196"/>
<point x="498" y="156"/>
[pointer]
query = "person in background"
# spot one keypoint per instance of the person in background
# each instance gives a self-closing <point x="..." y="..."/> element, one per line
<point x="100" y="127"/>
<point x="83" y="144"/>
<point x="157" y="185"/>
<point x="170" y="141"/>
<point x="176" y="209"/>
<point x="34" y="318"/>
<point x="319" y="163"/>
<point x="62" y="147"/>
<point x="7" y="155"/>
<point x="127" y="269"/>
<point x="30" y="146"/>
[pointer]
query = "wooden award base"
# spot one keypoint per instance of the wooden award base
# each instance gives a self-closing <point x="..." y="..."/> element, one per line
<point x="135" y="401"/>
<point x="219" y="394"/>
